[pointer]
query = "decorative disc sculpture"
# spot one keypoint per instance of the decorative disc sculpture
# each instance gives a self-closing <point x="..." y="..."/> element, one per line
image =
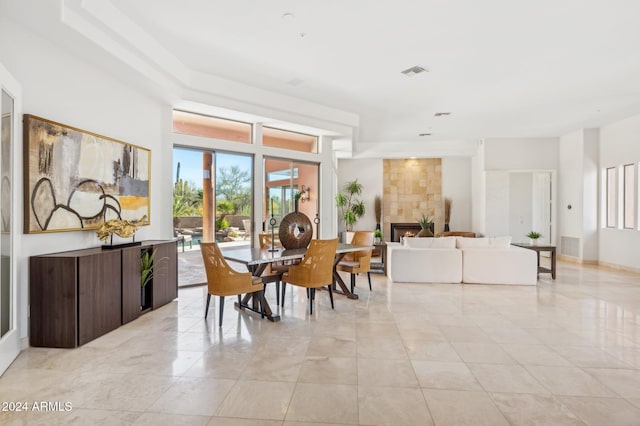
<point x="295" y="231"/>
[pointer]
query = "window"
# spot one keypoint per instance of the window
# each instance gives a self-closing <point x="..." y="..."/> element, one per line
<point x="189" y="123"/>
<point x="629" y="200"/>
<point x="611" y="186"/>
<point x="289" y="140"/>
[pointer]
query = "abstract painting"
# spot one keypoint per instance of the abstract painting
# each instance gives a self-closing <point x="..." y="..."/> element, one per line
<point x="76" y="179"/>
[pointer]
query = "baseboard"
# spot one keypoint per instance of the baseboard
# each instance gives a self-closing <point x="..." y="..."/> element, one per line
<point x="576" y="260"/>
<point x="617" y="267"/>
<point x="598" y="263"/>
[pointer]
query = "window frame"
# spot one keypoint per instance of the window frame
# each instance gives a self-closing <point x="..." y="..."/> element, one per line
<point x="611" y="204"/>
<point x="626" y="203"/>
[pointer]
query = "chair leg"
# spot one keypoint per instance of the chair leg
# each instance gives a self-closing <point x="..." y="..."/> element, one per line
<point x="353" y="282"/>
<point x="221" y="310"/>
<point x="239" y="301"/>
<point x="262" y="303"/>
<point x="284" y="288"/>
<point x="369" y="277"/>
<point x="311" y="291"/>
<point x="330" y="295"/>
<point x="206" y="310"/>
<point x="278" y="293"/>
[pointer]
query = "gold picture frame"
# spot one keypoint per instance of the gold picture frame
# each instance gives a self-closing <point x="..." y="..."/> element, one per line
<point x="78" y="180"/>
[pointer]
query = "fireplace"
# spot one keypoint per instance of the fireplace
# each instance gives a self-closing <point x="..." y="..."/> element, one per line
<point x="399" y="229"/>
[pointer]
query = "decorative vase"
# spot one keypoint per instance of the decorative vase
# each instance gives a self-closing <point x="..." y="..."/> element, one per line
<point x="425" y="232"/>
<point x="446" y="227"/>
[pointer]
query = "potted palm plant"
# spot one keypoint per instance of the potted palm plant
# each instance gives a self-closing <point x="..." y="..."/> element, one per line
<point x="351" y="208"/>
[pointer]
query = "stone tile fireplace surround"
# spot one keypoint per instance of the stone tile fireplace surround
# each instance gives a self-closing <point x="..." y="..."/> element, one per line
<point x="411" y="187"/>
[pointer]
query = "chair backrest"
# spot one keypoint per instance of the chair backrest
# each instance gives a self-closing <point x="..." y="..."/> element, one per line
<point x="319" y="261"/>
<point x="222" y="279"/>
<point x="361" y="238"/>
<point x="247" y="225"/>
<point x="265" y="240"/>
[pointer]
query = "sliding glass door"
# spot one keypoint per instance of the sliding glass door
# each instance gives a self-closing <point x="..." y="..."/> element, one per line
<point x="283" y="179"/>
<point x="212" y="196"/>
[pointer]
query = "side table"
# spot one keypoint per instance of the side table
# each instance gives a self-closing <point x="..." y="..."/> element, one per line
<point x="382" y="265"/>
<point x="540" y="248"/>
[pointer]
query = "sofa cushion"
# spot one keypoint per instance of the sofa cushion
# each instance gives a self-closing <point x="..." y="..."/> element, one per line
<point x="500" y="242"/>
<point x="484" y="242"/>
<point x="415" y="242"/>
<point x="444" y="242"/>
<point x="467" y="242"/>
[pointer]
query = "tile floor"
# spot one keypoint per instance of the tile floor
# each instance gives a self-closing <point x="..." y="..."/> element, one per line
<point x="564" y="352"/>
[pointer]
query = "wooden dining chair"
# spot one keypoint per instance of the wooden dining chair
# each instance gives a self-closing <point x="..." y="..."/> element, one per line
<point x="223" y="280"/>
<point x="359" y="261"/>
<point x="314" y="270"/>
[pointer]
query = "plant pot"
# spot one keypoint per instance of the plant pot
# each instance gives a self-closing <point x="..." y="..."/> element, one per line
<point x="376" y="240"/>
<point x="145" y="297"/>
<point x="425" y="232"/>
<point x="534" y="241"/>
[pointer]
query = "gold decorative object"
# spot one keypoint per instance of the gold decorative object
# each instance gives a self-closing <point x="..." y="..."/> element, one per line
<point x="120" y="227"/>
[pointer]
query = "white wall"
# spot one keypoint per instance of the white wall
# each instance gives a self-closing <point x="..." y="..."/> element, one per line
<point x="521" y="154"/>
<point x="578" y="187"/>
<point x="619" y="144"/>
<point x="64" y="88"/>
<point x="478" y="192"/>
<point x="497" y="203"/>
<point x="590" y="197"/>
<point x="570" y="185"/>
<point x="456" y="184"/>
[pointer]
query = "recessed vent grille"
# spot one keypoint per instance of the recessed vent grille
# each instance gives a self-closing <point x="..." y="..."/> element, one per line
<point x="570" y="246"/>
<point x="410" y="72"/>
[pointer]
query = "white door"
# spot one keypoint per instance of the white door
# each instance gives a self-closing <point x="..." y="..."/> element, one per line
<point x="10" y="132"/>
<point x="542" y="206"/>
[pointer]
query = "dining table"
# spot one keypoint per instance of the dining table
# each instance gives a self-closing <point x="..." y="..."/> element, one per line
<point x="257" y="259"/>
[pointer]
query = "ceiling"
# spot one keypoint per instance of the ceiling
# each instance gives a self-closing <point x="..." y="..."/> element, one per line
<point x="502" y="68"/>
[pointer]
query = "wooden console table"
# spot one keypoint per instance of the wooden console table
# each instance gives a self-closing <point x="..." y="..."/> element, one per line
<point x="79" y="295"/>
<point x="538" y="249"/>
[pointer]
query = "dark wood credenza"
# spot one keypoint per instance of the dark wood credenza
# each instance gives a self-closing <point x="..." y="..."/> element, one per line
<point x="77" y="296"/>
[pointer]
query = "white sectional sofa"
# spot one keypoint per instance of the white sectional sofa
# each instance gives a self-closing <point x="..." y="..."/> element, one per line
<point x="490" y="260"/>
<point x="419" y="260"/>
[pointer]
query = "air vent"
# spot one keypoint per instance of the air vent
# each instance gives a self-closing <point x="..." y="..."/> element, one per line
<point x="570" y="246"/>
<point x="441" y="114"/>
<point x="424" y="134"/>
<point x="410" y="72"/>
